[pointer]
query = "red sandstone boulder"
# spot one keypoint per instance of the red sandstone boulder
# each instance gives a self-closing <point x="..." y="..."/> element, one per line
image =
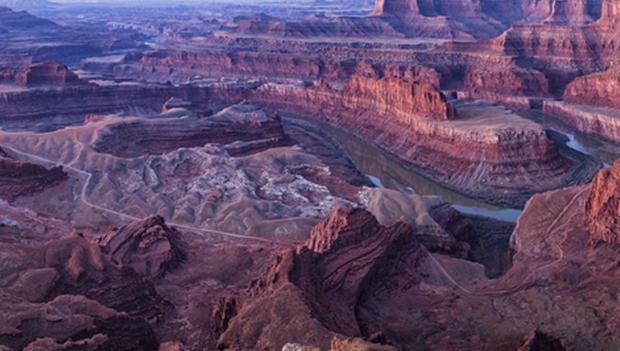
<point x="603" y="206"/>
<point x="149" y="247"/>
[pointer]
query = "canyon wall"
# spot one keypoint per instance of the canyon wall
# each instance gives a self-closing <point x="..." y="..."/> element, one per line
<point x="401" y="8"/>
<point x="569" y="12"/>
<point x="392" y="96"/>
<point x="40" y="108"/>
<point x="322" y="282"/>
<point x="19" y="178"/>
<point x="598" y="89"/>
<point x="601" y="121"/>
<point x="422" y="129"/>
<point x="603" y="207"/>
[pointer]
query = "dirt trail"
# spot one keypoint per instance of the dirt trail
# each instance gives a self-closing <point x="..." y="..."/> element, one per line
<point x="84" y="198"/>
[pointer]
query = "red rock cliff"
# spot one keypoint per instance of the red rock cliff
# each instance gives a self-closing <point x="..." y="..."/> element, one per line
<point x="399" y="98"/>
<point x="599" y="89"/>
<point x="321" y="283"/>
<point x="603" y="206"/>
<point x="400" y="8"/>
<point x="569" y="12"/>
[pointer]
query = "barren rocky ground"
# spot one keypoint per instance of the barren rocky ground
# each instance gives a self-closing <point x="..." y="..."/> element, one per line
<point x="398" y="175"/>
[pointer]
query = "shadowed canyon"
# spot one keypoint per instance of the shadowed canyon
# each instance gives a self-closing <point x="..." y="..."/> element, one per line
<point x="397" y="175"/>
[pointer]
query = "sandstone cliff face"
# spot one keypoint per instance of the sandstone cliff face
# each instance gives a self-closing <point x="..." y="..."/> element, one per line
<point x="591" y="104"/>
<point x="569" y="12"/>
<point x="601" y="121"/>
<point x="545" y="57"/>
<point x="400" y="8"/>
<point x="18" y="178"/>
<point x="610" y="13"/>
<point x="538" y="341"/>
<point x="426" y="136"/>
<point x="598" y="89"/>
<point x="496" y="82"/>
<point x="321" y="283"/>
<point x="399" y="98"/>
<point x="242" y="130"/>
<point x="149" y="247"/>
<point x="603" y="207"/>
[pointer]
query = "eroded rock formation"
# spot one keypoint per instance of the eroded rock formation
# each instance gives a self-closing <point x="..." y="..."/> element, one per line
<point x="597" y="89"/>
<point x="603" y="207"/>
<point x="569" y="12"/>
<point x="68" y="291"/>
<point x="149" y="247"/>
<point x="321" y="283"/>
<point x="400" y="8"/>
<point x="243" y="129"/>
<point x="19" y="178"/>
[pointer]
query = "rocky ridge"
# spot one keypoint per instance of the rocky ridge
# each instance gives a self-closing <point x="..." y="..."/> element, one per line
<point x="320" y="284"/>
<point x="603" y="207"/>
<point x="67" y="291"/>
<point x="19" y="178"/>
<point x="149" y="247"/>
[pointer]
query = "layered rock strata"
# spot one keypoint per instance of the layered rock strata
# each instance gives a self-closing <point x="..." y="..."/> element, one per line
<point x="603" y="207"/>
<point x="19" y="178"/>
<point x="598" y="89"/>
<point x="601" y="121"/>
<point x="47" y="74"/>
<point x="321" y="283"/>
<point x="67" y="291"/>
<point x="242" y="129"/>
<point x="40" y="108"/>
<point x="419" y="119"/>
<point x="149" y="247"/>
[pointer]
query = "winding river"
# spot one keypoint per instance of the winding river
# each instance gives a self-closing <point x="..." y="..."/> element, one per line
<point x="386" y="171"/>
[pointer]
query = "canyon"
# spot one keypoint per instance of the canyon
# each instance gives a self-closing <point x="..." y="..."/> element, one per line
<point x="288" y="176"/>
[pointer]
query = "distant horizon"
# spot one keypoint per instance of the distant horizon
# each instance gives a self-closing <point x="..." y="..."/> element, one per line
<point x="148" y="1"/>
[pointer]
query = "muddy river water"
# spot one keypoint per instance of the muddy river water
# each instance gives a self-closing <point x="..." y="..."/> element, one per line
<point x="385" y="170"/>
